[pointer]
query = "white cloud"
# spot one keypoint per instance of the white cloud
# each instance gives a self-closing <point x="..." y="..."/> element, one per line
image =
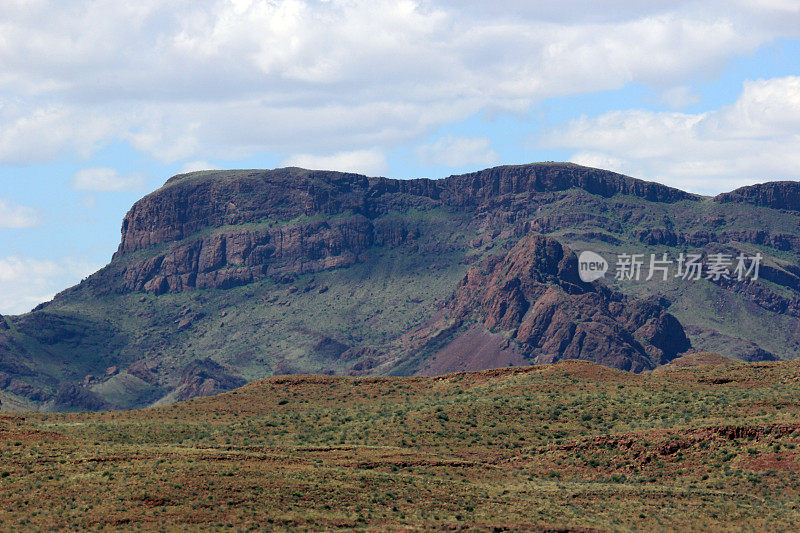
<point x="754" y="139"/>
<point x="458" y="152"/>
<point x="210" y="78"/>
<point x="193" y="166"/>
<point x="31" y="133"/>
<point x="105" y="179"/>
<point x="26" y="282"/>
<point x="679" y="97"/>
<point x="370" y="162"/>
<point x="605" y="161"/>
<point x="17" y="216"/>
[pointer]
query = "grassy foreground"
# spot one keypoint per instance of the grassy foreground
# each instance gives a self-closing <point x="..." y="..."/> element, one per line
<point x="567" y="446"/>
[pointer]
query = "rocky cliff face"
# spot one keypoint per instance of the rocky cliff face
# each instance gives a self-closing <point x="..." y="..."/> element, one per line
<point x="534" y="294"/>
<point x="231" y="257"/>
<point x="776" y="194"/>
<point x="236" y="257"/>
<point x="351" y="206"/>
<point x="698" y="238"/>
<point x="470" y="189"/>
<point x="190" y="202"/>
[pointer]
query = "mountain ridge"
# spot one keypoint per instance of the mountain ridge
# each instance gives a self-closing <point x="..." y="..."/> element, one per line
<point x="310" y="189"/>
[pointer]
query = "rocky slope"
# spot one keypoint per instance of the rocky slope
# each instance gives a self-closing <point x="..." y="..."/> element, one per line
<point x="222" y="277"/>
<point x="533" y="294"/>
<point x="776" y="194"/>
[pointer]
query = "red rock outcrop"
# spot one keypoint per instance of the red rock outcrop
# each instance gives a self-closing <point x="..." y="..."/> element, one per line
<point x="188" y="203"/>
<point x="670" y="237"/>
<point x="239" y="256"/>
<point x="535" y="294"/>
<point x="76" y="398"/>
<point x="232" y="257"/>
<point x="20" y="388"/>
<point x="775" y="194"/>
<point x="471" y="189"/>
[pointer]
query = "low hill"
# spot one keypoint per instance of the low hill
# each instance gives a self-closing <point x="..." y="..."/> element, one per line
<point x="696" y="359"/>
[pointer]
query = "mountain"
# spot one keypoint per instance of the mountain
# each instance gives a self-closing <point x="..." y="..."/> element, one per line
<point x="535" y="294"/>
<point x="224" y="277"/>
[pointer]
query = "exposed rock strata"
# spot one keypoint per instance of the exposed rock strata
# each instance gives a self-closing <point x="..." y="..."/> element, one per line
<point x="775" y="194"/>
<point x="535" y="294"/>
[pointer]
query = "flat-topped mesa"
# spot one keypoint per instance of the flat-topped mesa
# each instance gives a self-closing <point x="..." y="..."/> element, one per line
<point x="188" y="203"/>
<point x="546" y="177"/>
<point x="774" y="194"/>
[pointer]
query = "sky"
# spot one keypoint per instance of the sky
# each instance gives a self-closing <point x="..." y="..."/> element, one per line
<point x="102" y="101"/>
